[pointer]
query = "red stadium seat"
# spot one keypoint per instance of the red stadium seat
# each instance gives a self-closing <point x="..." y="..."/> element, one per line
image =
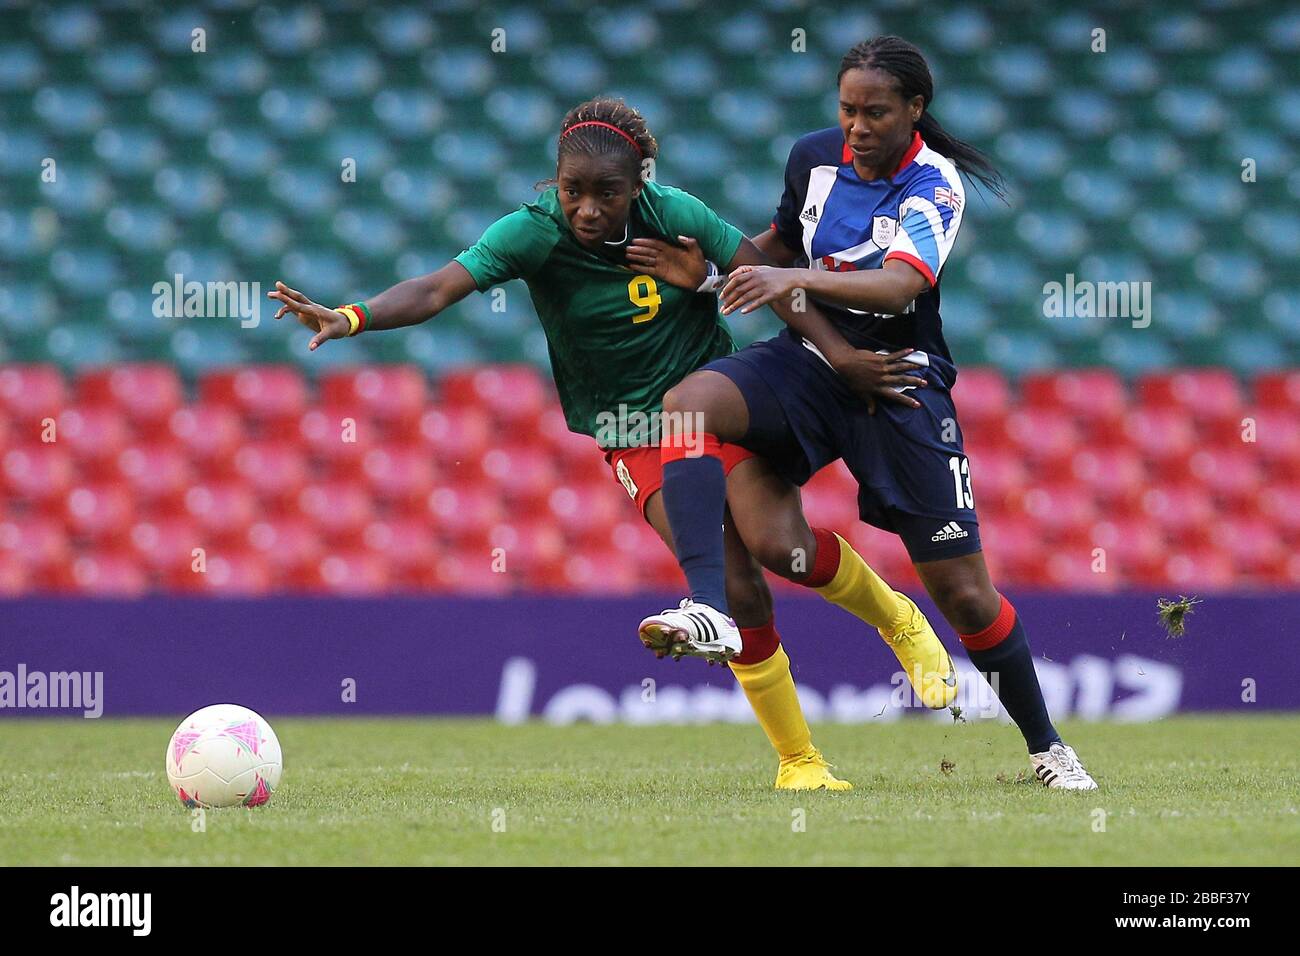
<point x="1096" y="397"/>
<point x="1113" y="475"/>
<point x="15" y="578"/>
<point x="399" y="475"/>
<point x="291" y="546"/>
<point x="29" y="394"/>
<point x="40" y="543"/>
<point x="1277" y="390"/>
<point x="224" y="510"/>
<point x="578" y="457"/>
<point x="515" y="395"/>
<point x="230" y="571"/>
<point x="1061" y="511"/>
<point x="95" y="436"/>
<point x="1075" y="568"/>
<point x="1199" y="568"/>
<point x="159" y="475"/>
<point x="656" y="565"/>
<point x="997" y="480"/>
<point x="393" y="395"/>
<point x="352" y="572"/>
<point x="40" y="474"/>
<point x="585" y="512"/>
<point x="1013" y="546"/>
<point x="1046" y="437"/>
<point x="1184" y="510"/>
<point x="338" y="438"/>
<point x="527" y="544"/>
<point x="1280" y="503"/>
<point x="340" y="510"/>
<point x="1276" y="441"/>
<point x="468" y="573"/>
<point x="525" y="474"/>
<point x="456" y="436"/>
<point x="98" y="513"/>
<point x="1165" y="437"/>
<point x="408" y="544"/>
<point x="465" y="513"/>
<point x="1231" y="474"/>
<point x="1253" y="545"/>
<point x="274" y="396"/>
<point x="827" y="503"/>
<point x="1196" y="391"/>
<point x="600" y="571"/>
<point x="108" y="573"/>
<point x="981" y="394"/>
<point x="274" y="470"/>
<point x="883" y="551"/>
<point x="1133" y="547"/>
<point x="146" y="393"/>
<point x="165" y="546"/>
<point x="210" y="435"/>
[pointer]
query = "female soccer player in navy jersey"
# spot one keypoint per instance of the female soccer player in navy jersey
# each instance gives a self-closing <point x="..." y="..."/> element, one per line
<point x="869" y="215"/>
<point x="618" y="340"/>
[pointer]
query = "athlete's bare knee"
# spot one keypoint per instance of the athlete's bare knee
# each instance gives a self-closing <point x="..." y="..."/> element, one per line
<point x="968" y="606"/>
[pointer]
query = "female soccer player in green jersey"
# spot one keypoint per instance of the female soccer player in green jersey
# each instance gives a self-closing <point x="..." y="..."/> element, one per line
<point x="618" y="341"/>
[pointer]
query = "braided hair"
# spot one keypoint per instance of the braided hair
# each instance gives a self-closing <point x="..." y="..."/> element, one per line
<point x="905" y="63"/>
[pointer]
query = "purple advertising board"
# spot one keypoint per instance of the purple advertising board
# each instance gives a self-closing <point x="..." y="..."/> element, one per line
<point x="578" y="659"/>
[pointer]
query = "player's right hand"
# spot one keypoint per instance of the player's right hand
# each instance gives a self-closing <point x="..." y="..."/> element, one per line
<point x="326" y="323"/>
<point x="875" y="377"/>
<point x="679" y="265"/>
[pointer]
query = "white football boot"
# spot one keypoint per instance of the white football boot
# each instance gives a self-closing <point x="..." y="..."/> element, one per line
<point x="694" y="630"/>
<point x="1059" y="767"/>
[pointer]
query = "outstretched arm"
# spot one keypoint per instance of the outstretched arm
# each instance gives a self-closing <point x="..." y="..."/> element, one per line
<point x="889" y="289"/>
<point x="407" y="303"/>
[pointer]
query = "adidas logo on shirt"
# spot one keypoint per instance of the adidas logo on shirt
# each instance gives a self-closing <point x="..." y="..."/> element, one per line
<point x="949" y="532"/>
<point x="810" y="214"/>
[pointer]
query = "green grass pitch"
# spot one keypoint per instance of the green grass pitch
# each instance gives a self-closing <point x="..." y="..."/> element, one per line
<point x="1185" y="791"/>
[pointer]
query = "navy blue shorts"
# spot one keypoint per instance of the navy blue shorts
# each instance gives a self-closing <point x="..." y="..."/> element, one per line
<point x="913" y="477"/>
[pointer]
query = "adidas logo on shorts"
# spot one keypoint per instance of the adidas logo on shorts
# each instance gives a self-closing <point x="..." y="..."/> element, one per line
<point x="949" y="532"/>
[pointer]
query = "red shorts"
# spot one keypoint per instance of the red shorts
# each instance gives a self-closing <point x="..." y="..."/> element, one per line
<point x="641" y="473"/>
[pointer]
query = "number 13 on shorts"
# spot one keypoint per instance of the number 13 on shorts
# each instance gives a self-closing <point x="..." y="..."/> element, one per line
<point x="960" y="468"/>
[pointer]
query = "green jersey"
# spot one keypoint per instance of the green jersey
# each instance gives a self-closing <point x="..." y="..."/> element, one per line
<point x="618" y="339"/>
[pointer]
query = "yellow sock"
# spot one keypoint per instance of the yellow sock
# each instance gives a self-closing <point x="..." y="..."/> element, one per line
<point x="770" y="689"/>
<point x="862" y="592"/>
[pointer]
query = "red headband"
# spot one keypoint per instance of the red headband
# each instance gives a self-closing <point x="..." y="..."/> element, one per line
<point x="607" y="126"/>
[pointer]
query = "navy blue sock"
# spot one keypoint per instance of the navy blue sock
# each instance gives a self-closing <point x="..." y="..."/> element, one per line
<point x="1002" y="649"/>
<point x="695" y="497"/>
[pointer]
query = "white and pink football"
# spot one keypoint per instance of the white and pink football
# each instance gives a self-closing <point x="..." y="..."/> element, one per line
<point x="224" y="756"/>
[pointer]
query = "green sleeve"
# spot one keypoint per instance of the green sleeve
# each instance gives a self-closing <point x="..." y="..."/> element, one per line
<point x="513" y="247"/>
<point x="684" y="215"/>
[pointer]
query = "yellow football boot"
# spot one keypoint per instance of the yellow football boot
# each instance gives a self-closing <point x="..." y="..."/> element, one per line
<point x="924" y="658"/>
<point x="808" y="770"/>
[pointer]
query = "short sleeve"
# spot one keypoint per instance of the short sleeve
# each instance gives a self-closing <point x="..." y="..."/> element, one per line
<point x="928" y="219"/>
<point x="513" y="247"/>
<point x="786" y="220"/>
<point x="684" y="215"/>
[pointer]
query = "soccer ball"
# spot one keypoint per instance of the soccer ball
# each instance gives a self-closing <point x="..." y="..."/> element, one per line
<point x="224" y="756"/>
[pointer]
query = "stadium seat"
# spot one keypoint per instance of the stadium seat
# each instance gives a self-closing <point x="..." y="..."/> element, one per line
<point x="165" y="545"/>
<point x="275" y="471"/>
<point x="340" y="509"/>
<point x="157" y="474"/>
<point x="338" y="439"/>
<point x="291" y="546"/>
<point x="147" y="394"/>
<point x="515" y="395"/>
<point x="393" y="395"/>
<point x="230" y="572"/>
<point x="29" y="394"/>
<point x="1115" y="475"/>
<point x="981" y="395"/>
<point x="464" y="513"/>
<point x="274" y="396"/>
<point x="456" y="435"/>
<point x="1272" y="390"/>
<point x="98" y="512"/>
<point x="95" y="436"/>
<point x="399" y="475"/>
<point x="1097" y="398"/>
<point x="107" y="573"/>
<point x="525" y="474"/>
<point x="40" y="474"/>
<point x="408" y="544"/>
<point x="584" y="511"/>
<point x="38" y="542"/>
<point x="224" y="510"/>
<point x="209" y="434"/>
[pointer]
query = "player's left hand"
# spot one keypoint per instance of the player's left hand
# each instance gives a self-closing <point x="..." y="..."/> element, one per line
<point x="679" y="265"/>
<point x="750" y="287"/>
